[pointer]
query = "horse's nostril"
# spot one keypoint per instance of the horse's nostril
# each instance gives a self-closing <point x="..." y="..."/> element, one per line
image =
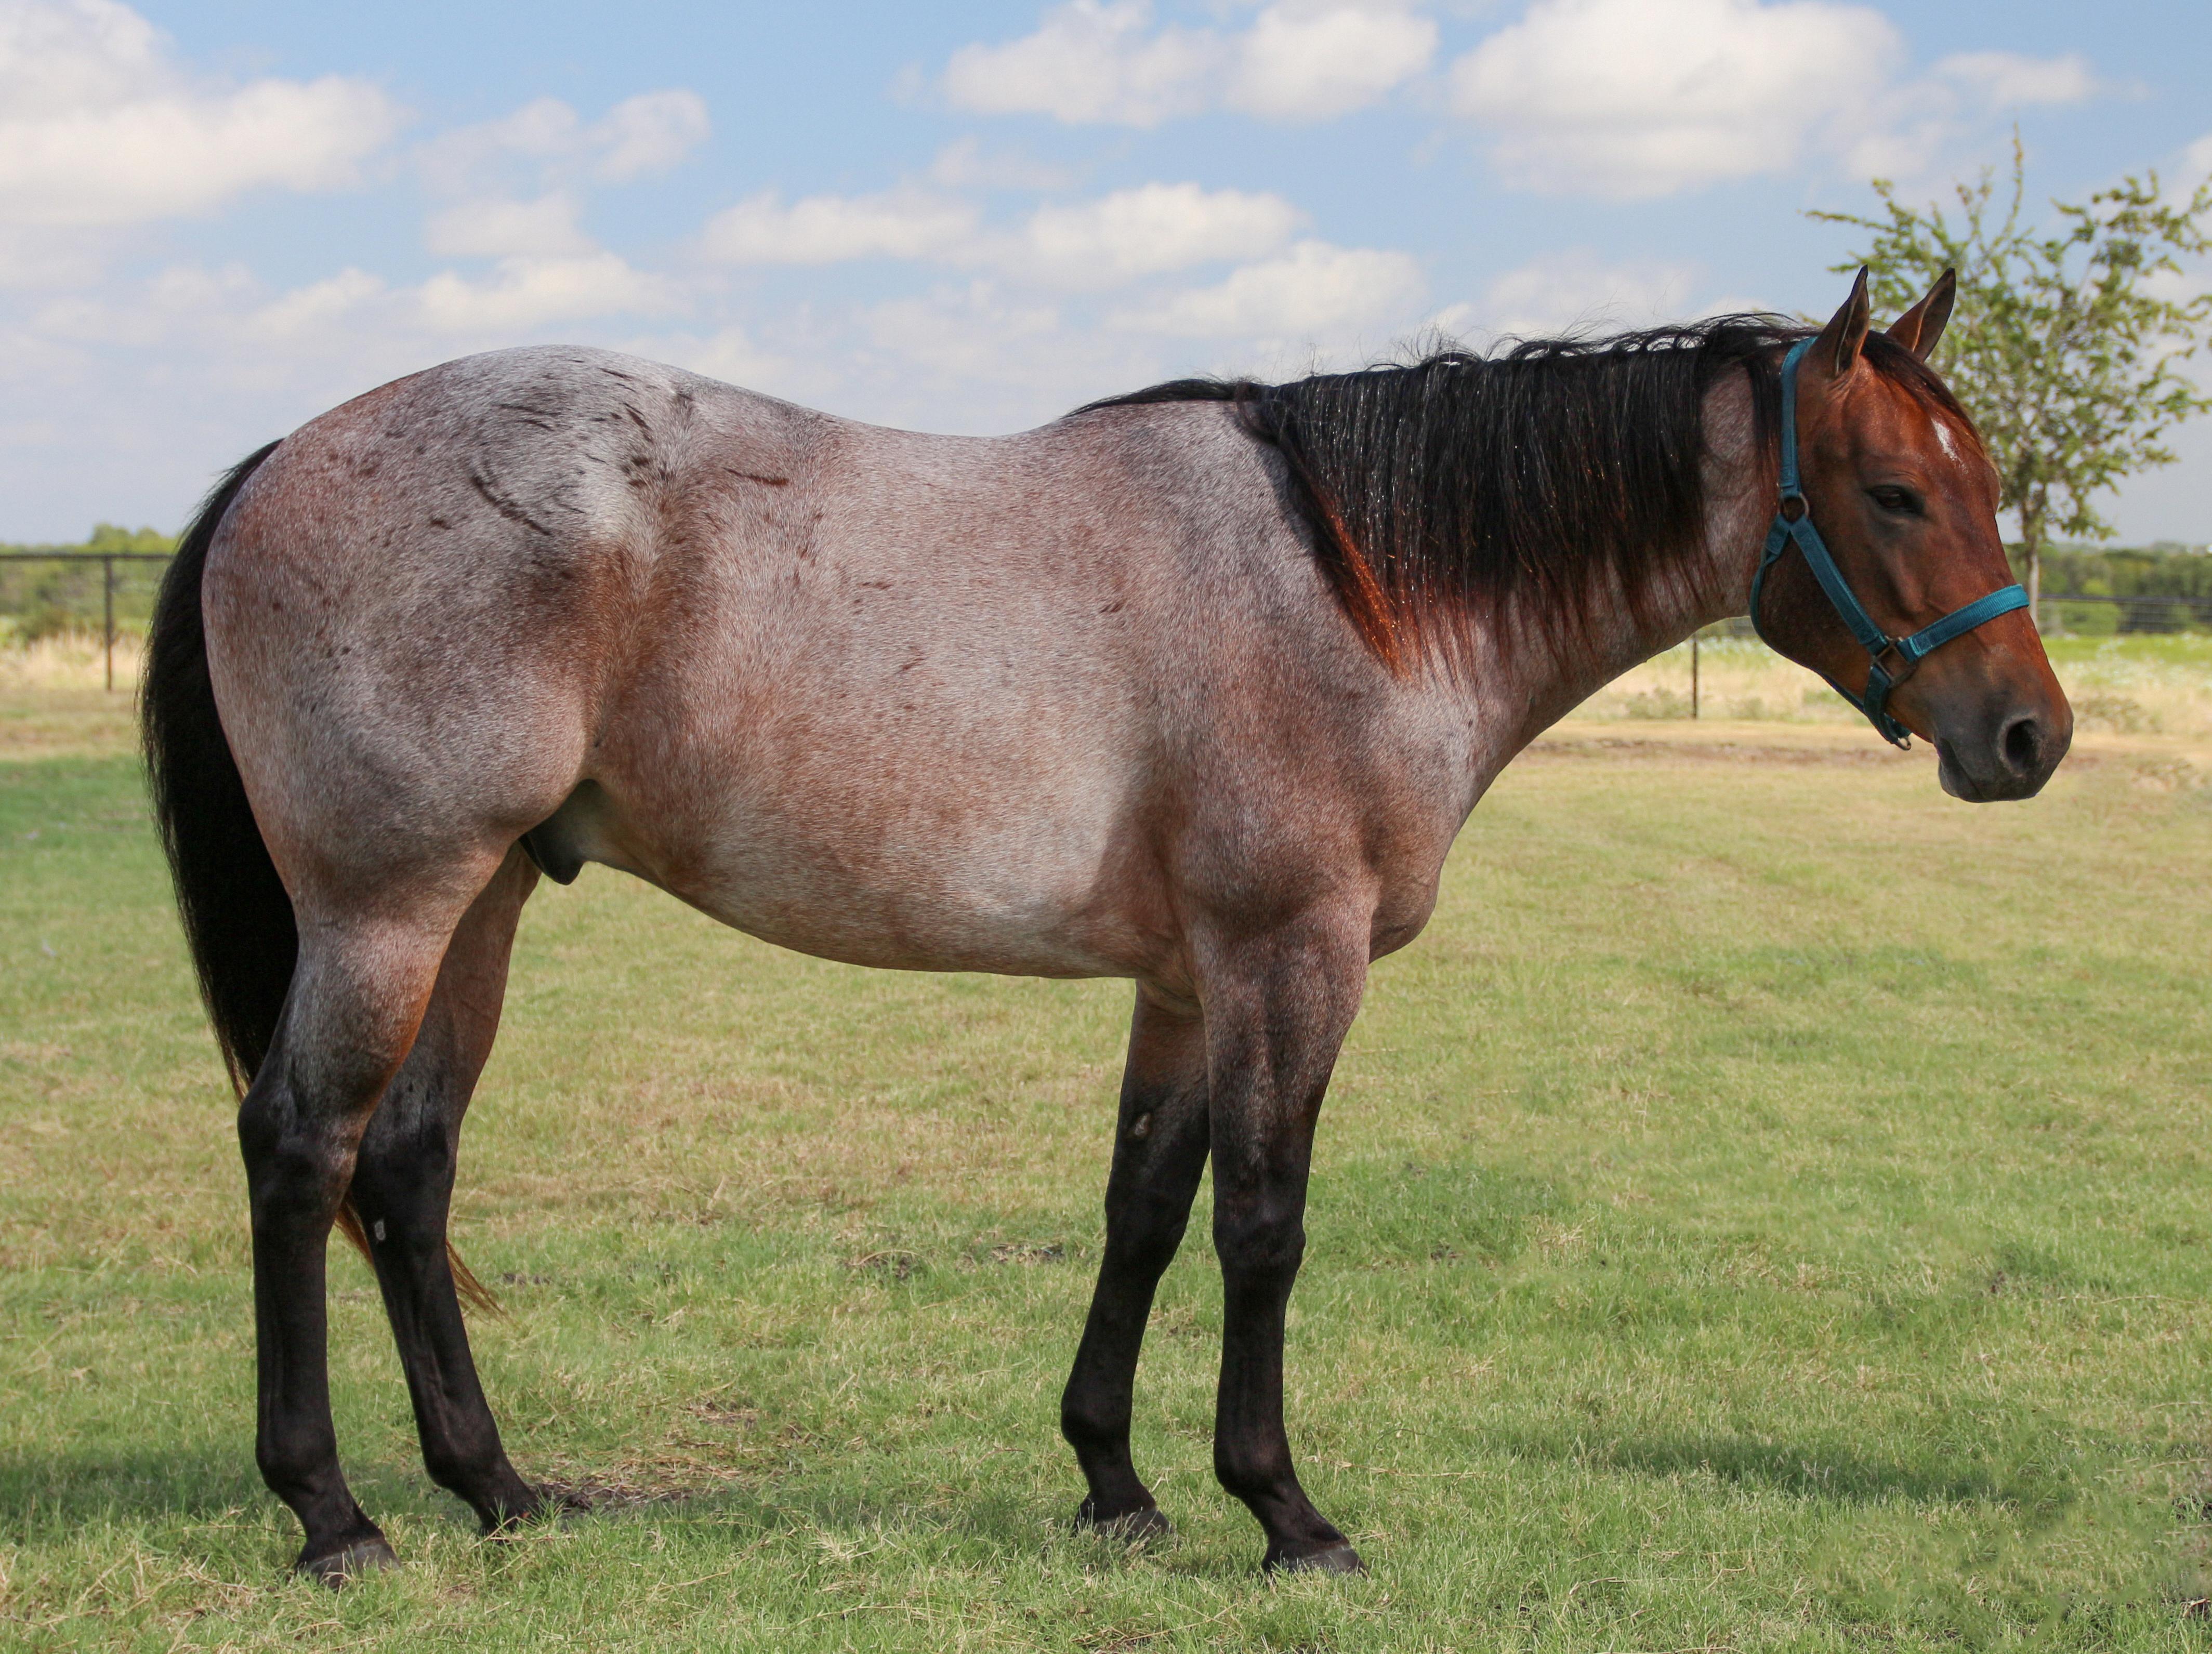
<point x="2022" y="745"/>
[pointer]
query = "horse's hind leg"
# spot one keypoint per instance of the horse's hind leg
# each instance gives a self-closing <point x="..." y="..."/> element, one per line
<point x="403" y="1184"/>
<point x="357" y="993"/>
<point x="1159" y="1150"/>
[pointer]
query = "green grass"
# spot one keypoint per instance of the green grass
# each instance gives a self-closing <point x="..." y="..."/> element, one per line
<point x="1768" y="1209"/>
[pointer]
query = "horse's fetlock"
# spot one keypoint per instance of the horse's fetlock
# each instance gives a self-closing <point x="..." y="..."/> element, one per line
<point x="1250" y="1472"/>
<point x="1092" y="1422"/>
<point x="459" y="1470"/>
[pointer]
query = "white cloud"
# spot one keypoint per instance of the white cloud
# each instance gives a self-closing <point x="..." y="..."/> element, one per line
<point x="317" y="307"/>
<point x="100" y="126"/>
<point x="1628" y="98"/>
<point x="964" y="164"/>
<point x="501" y="229"/>
<point x="1147" y="231"/>
<point x="524" y="293"/>
<point x="2005" y="80"/>
<point x="650" y="133"/>
<point x="647" y="133"/>
<point x="1090" y="60"/>
<point x="1641" y="97"/>
<point x="1312" y="62"/>
<point x="1573" y="292"/>
<point x="981" y="357"/>
<point x="541" y="129"/>
<point x="1103" y="61"/>
<point x="980" y="333"/>
<point x="1313" y="291"/>
<point x="830" y="229"/>
<point x="730" y="354"/>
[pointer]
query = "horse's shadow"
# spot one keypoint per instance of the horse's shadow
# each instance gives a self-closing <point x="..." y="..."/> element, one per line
<point x="76" y="1486"/>
<point x="45" y="1495"/>
<point x="1825" y="1471"/>
<point x="80" y="1485"/>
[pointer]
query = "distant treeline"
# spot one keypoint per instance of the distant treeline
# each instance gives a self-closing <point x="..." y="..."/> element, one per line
<point x="40" y="599"/>
<point x="2157" y="571"/>
<point x="107" y="537"/>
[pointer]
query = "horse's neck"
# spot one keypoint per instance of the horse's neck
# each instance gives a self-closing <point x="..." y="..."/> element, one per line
<point x="1542" y="684"/>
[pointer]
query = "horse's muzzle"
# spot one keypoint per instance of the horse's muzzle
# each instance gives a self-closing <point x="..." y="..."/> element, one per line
<point x="2010" y="756"/>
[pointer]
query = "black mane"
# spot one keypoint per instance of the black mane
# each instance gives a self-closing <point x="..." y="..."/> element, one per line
<point x="1537" y="477"/>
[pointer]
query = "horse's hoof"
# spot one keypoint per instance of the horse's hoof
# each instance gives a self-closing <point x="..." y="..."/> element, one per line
<point x="555" y="1504"/>
<point x="334" y="1568"/>
<point x="1339" y="1558"/>
<point x="1148" y="1522"/>
<point x="546" y="1506"/>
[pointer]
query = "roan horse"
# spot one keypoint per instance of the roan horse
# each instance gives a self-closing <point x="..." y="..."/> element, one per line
<point x="1194" y="687"/>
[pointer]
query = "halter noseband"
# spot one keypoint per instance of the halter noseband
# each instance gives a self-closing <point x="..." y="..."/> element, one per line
<point x="1798" y="528"/>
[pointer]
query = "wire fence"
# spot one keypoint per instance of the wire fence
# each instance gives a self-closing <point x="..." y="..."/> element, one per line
<point x="43" y="593"/>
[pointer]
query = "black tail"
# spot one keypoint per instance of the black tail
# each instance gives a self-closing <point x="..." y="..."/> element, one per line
<point x="238" y="917"/>
<point x="237" y="920"/>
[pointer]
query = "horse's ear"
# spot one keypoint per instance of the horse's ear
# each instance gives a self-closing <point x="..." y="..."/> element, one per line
<point x="1838" y="347"/>
<point x="1920" y="327"/>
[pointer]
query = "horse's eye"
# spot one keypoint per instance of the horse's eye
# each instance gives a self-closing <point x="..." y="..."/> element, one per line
<point x="1903" y="501"/>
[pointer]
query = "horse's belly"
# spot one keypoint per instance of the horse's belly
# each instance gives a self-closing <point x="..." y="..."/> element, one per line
<point x="1025" y="893"/>
<point x="984" y="928"/>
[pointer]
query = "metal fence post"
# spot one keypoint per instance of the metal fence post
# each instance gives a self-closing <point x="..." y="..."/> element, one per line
<point x="1693" y="674"/>
<point x="107" y="615"/>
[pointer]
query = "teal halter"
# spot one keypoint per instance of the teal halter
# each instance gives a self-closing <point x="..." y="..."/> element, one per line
<point x="1798" y="528"/>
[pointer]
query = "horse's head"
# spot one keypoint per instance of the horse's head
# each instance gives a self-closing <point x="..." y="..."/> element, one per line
<point x="1905" y="500"/>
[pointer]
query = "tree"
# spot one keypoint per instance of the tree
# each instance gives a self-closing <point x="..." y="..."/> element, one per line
<point x="2068" y="338"/>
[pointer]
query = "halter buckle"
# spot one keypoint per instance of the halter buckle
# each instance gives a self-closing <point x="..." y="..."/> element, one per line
<point x="1906" y="664"/>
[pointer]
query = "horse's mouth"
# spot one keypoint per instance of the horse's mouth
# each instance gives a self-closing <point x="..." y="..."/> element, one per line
<point x="2009" y="772"/>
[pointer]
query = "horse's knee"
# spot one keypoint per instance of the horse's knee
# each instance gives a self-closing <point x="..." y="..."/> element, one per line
<point x="295" y="1167"/>
<point x="404" y="1173"/>
<point x="1260" y="1240"/>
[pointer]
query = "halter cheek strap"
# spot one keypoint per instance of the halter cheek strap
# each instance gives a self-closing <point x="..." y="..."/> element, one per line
<point x="1793" y="526"/>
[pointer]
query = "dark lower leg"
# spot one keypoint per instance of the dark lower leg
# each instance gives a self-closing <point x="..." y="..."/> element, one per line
<point x="1159" y="1152"/>
<point x="295" y="1186"/>
<point x="1261" y="1244"/>
<point x="401" y="1198"/>
<point x="356" y="997"/>
<point x="1277" y="1011"/>
<point x="402" y="1192"/>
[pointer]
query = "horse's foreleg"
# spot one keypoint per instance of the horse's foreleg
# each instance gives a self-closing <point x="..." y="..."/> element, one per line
<point x="357" y="995"/>
<point x="1159" y="1150"/>
<point x="403" y="1186"/>
<point x="1277" y="1010"/>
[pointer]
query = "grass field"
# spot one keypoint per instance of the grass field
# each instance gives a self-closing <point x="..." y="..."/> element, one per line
<point x="1768" y="1209"/>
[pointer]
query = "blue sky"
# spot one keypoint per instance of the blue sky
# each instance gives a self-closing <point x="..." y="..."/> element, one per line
<point x="223" y="217"/>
